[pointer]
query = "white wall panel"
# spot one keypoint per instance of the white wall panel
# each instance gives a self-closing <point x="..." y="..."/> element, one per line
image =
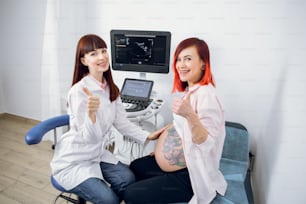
<point x="257" y="55"/>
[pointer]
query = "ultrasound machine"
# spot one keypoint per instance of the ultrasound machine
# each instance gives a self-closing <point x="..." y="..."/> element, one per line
<point x="142" y="52"/>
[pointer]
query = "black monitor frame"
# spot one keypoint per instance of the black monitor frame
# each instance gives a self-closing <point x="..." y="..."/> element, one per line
<point x="140" y="66"/>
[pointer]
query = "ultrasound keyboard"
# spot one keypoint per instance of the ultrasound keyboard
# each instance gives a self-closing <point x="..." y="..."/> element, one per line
<point x="134" y="105"/>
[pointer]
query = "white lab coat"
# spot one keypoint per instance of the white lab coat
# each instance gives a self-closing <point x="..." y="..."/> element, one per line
<point x="203" y="159"/>
<point x="79" y="151"/>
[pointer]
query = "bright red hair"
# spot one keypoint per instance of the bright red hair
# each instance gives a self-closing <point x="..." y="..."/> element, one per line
<point x="203" y="52"/>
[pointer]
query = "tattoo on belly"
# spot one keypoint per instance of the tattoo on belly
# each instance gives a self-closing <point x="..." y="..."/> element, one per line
<point x="173" y="149"/>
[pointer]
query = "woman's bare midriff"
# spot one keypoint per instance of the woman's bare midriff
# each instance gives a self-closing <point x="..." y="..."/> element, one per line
<point x="169" y="152"/>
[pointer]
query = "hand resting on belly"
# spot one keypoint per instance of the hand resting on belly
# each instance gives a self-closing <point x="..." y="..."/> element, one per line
<point x="169" y="151"/>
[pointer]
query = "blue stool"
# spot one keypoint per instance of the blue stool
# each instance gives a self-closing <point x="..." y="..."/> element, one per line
<point x="35" y="135"/>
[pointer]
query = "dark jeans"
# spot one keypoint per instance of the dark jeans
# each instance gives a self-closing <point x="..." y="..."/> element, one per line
<point x="156" y="186"/>
<point x="98" y="191"/>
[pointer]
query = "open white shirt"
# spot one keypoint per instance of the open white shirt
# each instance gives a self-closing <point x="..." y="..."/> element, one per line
<point x="203" y="159"/>
<point x="78" y="152"/>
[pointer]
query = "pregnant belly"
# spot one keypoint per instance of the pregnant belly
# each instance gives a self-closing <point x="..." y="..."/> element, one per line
<point x="169" y="151"/>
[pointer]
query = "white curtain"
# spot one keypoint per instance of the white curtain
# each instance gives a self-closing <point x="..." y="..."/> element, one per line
<point x="51" y="101"/>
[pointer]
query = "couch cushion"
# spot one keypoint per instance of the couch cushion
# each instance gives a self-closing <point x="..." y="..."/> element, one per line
<point x="230" y="167"/>
<point x="235" y="194"/>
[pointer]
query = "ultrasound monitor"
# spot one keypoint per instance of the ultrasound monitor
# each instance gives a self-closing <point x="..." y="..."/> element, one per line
<point x="140" y="51"/>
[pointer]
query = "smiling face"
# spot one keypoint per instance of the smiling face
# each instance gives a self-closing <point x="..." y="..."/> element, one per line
<point x="97" y="62"/>
<point x="190" y="66"/>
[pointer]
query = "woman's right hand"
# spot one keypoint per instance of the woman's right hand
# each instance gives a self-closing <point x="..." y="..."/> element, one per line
<point x="93" y="104"/>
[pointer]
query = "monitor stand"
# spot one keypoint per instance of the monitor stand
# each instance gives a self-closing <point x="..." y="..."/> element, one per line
<point x="142" y="75"/>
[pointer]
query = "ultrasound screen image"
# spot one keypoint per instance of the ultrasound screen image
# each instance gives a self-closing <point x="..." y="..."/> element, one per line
<point x="140" y="50"/>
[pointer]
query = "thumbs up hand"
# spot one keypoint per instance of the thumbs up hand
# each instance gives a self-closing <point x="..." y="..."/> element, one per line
<point x="182" y="106"/>
<point x="93" y="104"/>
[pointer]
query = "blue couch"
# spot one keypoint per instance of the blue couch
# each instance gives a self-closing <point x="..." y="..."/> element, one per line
<point x="235" y="166"/>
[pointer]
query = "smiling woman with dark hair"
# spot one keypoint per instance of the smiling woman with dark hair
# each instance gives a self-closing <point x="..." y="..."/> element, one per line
<point x="82" y="164"/>
<point x="185" y="164"/>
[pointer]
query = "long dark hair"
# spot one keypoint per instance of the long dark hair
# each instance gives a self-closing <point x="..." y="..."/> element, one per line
<point x="203" y="52"/>
<point x="86" y="44"/>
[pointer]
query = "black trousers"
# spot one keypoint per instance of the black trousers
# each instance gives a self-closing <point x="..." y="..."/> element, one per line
<point x="154" y="186"/>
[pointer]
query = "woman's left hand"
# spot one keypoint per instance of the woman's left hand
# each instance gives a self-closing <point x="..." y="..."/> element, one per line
<point x="182" y="106"/>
